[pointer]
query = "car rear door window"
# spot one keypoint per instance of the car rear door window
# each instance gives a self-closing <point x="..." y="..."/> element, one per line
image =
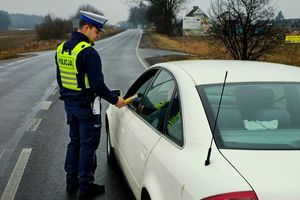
<point x="155" y="104"/>
<point x="174" y="122"/>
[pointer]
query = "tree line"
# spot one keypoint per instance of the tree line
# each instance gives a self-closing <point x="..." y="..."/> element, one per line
<point x="24" y="21"/>
<point x="18" y="21"/>
<point x="56" y="28"/>
<point x="4" y="20"/>
<point x="47" y="27"/>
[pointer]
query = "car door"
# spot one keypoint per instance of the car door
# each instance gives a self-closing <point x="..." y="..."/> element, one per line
<point x="167" y="162"/>
<point x="121" y="118"/>
<point x="144" y="129"/>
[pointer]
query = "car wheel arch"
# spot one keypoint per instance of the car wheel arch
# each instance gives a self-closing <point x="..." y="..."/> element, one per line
<point x="145" y="194"/>
<point x="151" y="185"/>
<point x="110" y="155"/>
<point x="106" y="124"/>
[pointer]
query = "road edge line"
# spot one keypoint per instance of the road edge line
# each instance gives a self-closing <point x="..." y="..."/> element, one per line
<point x="2" y="153"/>
<point x="137" y="54"/>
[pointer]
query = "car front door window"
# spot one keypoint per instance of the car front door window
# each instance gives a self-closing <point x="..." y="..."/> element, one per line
<point x="140" y="87"/>
<point x="154" y="105"/>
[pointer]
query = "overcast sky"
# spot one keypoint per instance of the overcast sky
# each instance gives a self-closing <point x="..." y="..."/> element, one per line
<point x="115" y="10"/>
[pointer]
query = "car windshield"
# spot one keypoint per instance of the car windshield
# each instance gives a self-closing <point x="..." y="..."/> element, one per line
<point x="254" y="116"/>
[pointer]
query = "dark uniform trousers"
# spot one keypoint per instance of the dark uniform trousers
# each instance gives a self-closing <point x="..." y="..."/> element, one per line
<point x="81" y="160"/>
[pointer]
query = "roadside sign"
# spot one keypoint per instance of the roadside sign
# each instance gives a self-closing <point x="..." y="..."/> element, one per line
<point x="191" y="23"/>
<point x="292" y="39"/>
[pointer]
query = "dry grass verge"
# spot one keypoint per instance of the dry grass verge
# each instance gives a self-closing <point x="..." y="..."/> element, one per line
<point x="206" y="48"/>
<point x="14" y="43"/>
<point x="285" y="54"/>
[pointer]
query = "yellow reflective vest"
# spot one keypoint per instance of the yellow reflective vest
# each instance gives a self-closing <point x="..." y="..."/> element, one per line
<point x="67" y="66"/>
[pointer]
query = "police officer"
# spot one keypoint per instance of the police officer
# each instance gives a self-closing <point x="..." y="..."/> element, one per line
<point x="80" y="78"/>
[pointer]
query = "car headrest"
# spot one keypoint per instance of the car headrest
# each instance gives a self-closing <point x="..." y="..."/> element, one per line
<point x="252" y="98"/>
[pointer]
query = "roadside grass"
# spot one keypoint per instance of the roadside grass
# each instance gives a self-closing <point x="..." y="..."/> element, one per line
<point x="206" y="48"/>
<point x="198" y="46"/>
<point x="15" y="42"/>
<point x="10" y="40"/>
<point x="285" y="54"/>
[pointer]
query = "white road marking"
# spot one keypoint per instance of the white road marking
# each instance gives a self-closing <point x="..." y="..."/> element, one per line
<point x="34" y="124"/>
<point x="24" y="60"/>
<point x="16" y="62"/>
<point x="2" y="153"/>
<point x="51" y="90"/>
<point x="137" y="54"/>
<point x="6" y="65"/>
<point x="54" y="92"/>
<point x="46" y="105"/>
<point x="101" y="48"/>
<point x="16" y="176"/>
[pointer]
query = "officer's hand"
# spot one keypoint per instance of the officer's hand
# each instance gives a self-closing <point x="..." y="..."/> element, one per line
<point x="120" y="102"/>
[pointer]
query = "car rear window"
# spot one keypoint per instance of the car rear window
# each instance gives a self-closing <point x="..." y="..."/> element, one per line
<point x="254" y="116"/>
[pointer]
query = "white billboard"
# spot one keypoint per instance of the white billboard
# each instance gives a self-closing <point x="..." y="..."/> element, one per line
<point x="191" y="23"/>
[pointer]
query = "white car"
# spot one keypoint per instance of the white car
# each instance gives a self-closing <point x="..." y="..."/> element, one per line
<point x="210" y="130"/>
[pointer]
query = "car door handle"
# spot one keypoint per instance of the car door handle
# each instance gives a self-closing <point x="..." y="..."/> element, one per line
<point x="144" y="152"/>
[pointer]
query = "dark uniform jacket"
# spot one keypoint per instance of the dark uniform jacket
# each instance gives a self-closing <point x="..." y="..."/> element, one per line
<point x="89" y="62"/>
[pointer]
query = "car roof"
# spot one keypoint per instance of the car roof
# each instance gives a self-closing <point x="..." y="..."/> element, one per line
<point x="213" y="71"/>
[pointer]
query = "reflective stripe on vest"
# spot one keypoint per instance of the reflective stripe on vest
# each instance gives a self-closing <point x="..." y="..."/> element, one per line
<point x="173" y="120"/>
<point x="67" y="66"/>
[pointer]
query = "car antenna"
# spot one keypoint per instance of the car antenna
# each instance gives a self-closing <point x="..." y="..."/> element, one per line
<point x="207" y="161"/>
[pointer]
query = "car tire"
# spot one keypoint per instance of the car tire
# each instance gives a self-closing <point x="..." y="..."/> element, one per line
<point x="110" y="155"/>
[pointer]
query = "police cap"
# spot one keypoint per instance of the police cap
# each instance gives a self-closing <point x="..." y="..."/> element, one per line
<point x="94" y="19"/>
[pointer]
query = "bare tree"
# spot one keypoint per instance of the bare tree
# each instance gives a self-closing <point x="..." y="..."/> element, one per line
<point x="168" y="10"/>
<point x="279" y="17"/>
<point x="245" y="27"/>
<point x="53" y="28"/>
<point x="163" y="13"/>
<point x="137" y="15"/>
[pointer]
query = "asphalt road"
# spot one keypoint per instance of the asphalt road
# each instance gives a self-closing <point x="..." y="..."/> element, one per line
<point x="33" y="129"/>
